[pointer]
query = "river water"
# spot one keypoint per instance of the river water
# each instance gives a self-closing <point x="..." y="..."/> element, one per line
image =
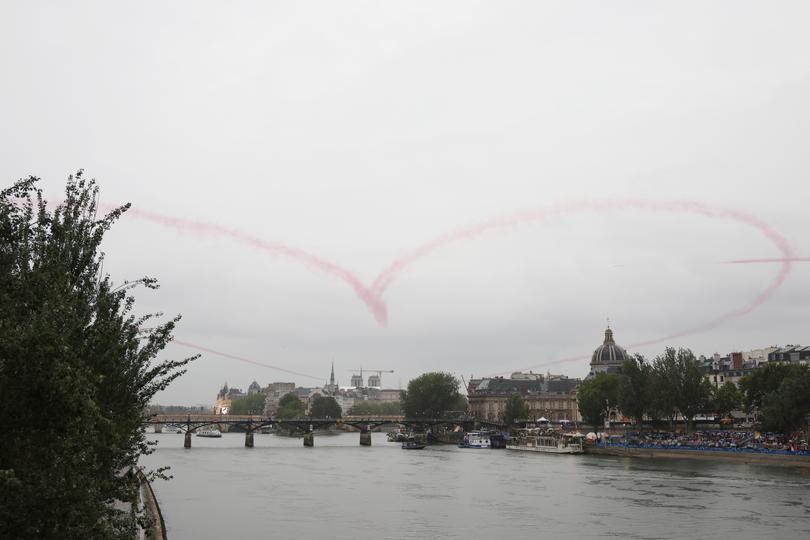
<point x="340" y="490"/>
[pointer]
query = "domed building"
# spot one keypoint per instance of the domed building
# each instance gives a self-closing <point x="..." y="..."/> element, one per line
<point x="608" y="357"/>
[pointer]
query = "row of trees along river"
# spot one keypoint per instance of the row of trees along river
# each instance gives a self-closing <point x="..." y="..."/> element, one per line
<point x="673" y="385"/>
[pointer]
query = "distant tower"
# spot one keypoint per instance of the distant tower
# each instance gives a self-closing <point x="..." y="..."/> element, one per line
<point x="374" y="380"/>
<point x="332" y="376"/>
<point x="357" y="380"/>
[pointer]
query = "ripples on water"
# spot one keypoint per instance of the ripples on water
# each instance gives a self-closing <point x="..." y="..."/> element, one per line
<point x="339" y="490"/>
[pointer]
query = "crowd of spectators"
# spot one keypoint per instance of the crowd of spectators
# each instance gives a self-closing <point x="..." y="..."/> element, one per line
<point x="750" y="441"/>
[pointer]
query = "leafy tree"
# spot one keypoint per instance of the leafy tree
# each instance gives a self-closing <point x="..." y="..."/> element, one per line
<point x="77" y="370"/>
<point x="290" y="406"/>
<point x="597" y="396"/>
<point x="682" y="383"/>
<point x="787" y="408"/>
<point x="249" y="404"/>
<point x="324" y="407"/>
<point x="431" y="395"/>
<point x="365" y="408"/>
<point x="516" y="409"/>
<point x="727" y="398"/>
<point x="767" y="380"/>
<point x="634" y="395"/>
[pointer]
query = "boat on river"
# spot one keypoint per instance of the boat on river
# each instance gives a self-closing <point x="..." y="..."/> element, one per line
<point x="209" y="432"/>
<point x="545" y="440"/>
<point x="476" y="439"/>
<point x="412" y="444"/>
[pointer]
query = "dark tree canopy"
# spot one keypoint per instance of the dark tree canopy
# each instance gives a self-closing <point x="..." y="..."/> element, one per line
<point x="726" y="399"/>
<point x="766" y="380"/>
<point x="324" y="407"/>
<point x="516" y="410"/>
<point x="682" y="384"/>
<point x="290" y="406"/>
<point x="432" y="395"/>
<point x="780" y="393"/>
<point x="77" y="369"/>
<point x="249" y="404"/>
<point x="597" y="396"/>
<point x="635" y="388"/>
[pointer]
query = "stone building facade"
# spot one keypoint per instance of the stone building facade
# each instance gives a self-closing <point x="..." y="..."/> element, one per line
<point x="553" y="397"/>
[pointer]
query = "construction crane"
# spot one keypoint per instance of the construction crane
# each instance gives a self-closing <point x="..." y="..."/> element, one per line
<point x="357" y="380"/>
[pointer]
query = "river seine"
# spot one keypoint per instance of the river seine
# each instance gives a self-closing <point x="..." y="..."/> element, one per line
<point x="340" y="490"/>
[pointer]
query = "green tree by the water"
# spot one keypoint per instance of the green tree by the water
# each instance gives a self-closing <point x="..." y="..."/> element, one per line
<point x="290" y="406"/>
<point x="516" y="409"/>
<point x="726" y="399"/>
<point x="780" y="393"/>
<point x="249" y="404"/>
<point x="682" y="383"/>
<point x="78" y="368"/>
<point x="597" y="396"/>
<point x="634" y="396"/>
<point x="432" y="395"/>
<point x="324" y="407"/>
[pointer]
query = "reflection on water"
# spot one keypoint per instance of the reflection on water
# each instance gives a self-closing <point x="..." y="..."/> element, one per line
<point x="339" y="489"/>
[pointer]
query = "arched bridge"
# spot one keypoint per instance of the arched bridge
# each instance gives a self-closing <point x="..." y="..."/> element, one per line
<point x="250" y="423"/>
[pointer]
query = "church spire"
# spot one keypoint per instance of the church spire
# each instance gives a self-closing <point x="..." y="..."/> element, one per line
<point x="332" y="376"/>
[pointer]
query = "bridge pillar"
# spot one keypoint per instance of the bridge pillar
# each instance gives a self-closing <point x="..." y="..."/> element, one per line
<point x="248" y="439"/>
<point x="187" y="441"/>
<point x="309" y="439"/>
<point x="365" y="438"/>
<point x="158" y="428"/>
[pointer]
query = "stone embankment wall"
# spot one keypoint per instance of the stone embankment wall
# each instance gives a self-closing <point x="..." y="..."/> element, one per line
<point x="158" y="529"/>
<point x="740" y="456"/>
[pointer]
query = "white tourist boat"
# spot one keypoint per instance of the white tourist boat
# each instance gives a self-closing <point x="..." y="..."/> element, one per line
<point x="545" y="440"/>
<point x="476" y="439"/>
<point x="209" y="432"/>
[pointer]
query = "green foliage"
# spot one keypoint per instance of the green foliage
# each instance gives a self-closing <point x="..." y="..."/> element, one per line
<point x="767" y="380"/>
<point x="77" y="370"/>
<point x="289" y="406"/>
<point x="366" y="408"/>
<point x="727" y="398"/>
<point x="787" y="408"/>
<point x="681" y="385"/>
<point x="597" y="396"/>
<point x="249" y="404"/>
<point x="516" y="409"/>
<point x="634" y="394"/>
<point x="432" y="395"/>
<point x="781" y="393"/>
<point x="324" y="407"/>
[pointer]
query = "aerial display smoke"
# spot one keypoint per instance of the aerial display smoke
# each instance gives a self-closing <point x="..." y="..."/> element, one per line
<point x="373" y="295"/>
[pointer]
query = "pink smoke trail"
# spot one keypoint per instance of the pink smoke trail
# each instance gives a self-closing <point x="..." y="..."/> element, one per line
<point x="374" y="302"/>
<point x="388" y="275"/>
<point x="373" y="296"/>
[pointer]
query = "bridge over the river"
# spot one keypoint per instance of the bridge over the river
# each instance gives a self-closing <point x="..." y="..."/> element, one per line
<point x="250" y="423"/>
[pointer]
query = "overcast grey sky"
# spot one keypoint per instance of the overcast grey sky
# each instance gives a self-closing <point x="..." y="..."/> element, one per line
<point x="358" y="131"/>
